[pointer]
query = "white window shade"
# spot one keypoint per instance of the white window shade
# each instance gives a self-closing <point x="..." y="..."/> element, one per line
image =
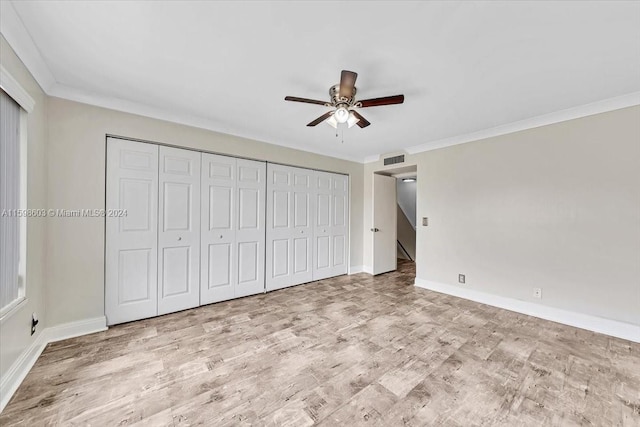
<point x="9" y="200"/>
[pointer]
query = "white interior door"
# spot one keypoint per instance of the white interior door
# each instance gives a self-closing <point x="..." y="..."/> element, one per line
<point x="384" y="224"/>
<point x="323" y="246"/>
<point x="250" y="232"/>
<point x="218" y="263"/>
<point x="289" y="226"/>
<point x="340" y="224"/>
<point x="179" y="231"/>
<point x="233" y="231"/>
<point x="279" y="224"/>
<point x="132" y="238"/>
<point x="331" y="231"/>
<point x="302" y="230"/>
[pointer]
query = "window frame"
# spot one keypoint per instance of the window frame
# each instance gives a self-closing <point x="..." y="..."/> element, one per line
<point x="12" y="88"/>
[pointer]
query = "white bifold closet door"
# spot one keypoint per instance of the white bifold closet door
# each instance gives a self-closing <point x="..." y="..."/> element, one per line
<point x="131" y="270"/>
<point x="233" y="221"/>
<point x="289" y="226"/>
<point x="179" y="230"/>
<point x="330" y="225"/>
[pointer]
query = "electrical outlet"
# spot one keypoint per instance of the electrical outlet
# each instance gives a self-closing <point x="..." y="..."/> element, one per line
<point x="34" y="322"/>
<point x="425" y="221"/>
<point x="461" y="278"/>
<point x="537" y="292"/>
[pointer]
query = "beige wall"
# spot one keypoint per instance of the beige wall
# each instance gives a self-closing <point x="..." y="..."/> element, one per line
<point x="556" y="207"/>
<point x="15" y="330"/>
<point x="76" y="180"/>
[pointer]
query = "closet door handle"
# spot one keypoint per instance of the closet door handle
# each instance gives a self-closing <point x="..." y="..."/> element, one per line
<point x="179" y="238"/>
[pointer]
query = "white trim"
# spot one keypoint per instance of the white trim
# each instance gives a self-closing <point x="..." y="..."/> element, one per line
<point x="16" y="34"/>
<point x="24" y="187"/>
<point x="367" y="269"/>
<point x="73" y="94"/>
<point x="12" y="308"/>
<point x="21" y="367"/>
<point x="178" y="117"/>
<point x="15" y="90"/>
<point x="76" y="329"/>
<point x="598" y="107"/>
<point x="371" y="159"/>
<point x="601" y="325"/>
<point x="355" y="269"/>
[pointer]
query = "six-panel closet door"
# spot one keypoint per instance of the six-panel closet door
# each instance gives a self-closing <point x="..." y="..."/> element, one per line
<point x="331" y="225"/>
<point x="131" y="253"/>
<point x="322" y="266"/>
<point x="194" y="225"/>
<point x="340" y="224"/>
<point x="179" y="230"/>
<point x="289" y="226"/>
<point x="233" y="218"/>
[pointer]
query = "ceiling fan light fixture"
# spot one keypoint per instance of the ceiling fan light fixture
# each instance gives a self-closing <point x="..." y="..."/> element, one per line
<point x="352" y="120"/>
<point x="342" y="99"/>
<point x="331" y="121"/>
<point x="341" y="115"/>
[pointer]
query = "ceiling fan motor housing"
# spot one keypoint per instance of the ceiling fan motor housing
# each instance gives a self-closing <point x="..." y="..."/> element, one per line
<point x="336" y="99"/>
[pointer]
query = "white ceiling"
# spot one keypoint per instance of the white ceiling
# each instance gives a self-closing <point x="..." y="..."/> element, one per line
<point x="462" y="66"/>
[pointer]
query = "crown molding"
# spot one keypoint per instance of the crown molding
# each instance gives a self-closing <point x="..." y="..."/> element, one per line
<point x="585" y="110"/>
<point x="15" y="90"/>
<point x="371" y="159"/>
<point x="140" y="109"/>
<point x="16" y="34"/>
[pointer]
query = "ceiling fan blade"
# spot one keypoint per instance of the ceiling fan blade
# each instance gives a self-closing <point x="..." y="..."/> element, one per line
<point x="385" y="100"/>
<point x="306" y="100"/>
<point x="362" y="122"/>
<point x="347" y="82"/>
<point x="321" y="119"/>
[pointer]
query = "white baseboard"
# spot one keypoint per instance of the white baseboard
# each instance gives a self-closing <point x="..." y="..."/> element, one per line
<point x="367" y="269"/>
<point x="355" y="269"/>
<point x="76" y="329"/>
<point x="601" y="325"/>
<point x="21" y="367"/>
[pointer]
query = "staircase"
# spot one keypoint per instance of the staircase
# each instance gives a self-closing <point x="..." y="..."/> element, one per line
<point x="406" y="247"/>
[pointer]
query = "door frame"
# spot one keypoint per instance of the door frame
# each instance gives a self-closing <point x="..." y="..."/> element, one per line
<point x="397" y="171"/>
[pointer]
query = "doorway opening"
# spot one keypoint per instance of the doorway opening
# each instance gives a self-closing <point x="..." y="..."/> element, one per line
<point x="394" y="220"/>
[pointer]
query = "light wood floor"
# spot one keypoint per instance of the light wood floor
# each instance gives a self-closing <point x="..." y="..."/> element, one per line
<point x="349" y="351"/>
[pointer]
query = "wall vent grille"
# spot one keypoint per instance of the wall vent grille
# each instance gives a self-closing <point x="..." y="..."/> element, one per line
<point x="394" y="160"/>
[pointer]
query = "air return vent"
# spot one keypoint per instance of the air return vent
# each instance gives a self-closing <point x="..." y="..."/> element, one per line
<point x="394" y="160"/>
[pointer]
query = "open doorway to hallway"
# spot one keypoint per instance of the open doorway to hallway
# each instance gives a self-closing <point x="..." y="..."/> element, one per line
<point x="394" y="219"/>
<point x="406" y="187"/>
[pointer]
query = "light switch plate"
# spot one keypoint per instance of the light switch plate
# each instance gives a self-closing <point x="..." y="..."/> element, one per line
<point x="425" y="221"/>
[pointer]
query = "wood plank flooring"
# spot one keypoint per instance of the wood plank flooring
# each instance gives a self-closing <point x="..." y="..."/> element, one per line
<point x="353" y="350"/>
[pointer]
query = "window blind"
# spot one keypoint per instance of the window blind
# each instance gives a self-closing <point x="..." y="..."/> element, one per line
<point x="9" y="199"/>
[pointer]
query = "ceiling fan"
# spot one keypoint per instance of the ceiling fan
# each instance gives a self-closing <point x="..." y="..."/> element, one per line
<point x="344" y="104"/>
